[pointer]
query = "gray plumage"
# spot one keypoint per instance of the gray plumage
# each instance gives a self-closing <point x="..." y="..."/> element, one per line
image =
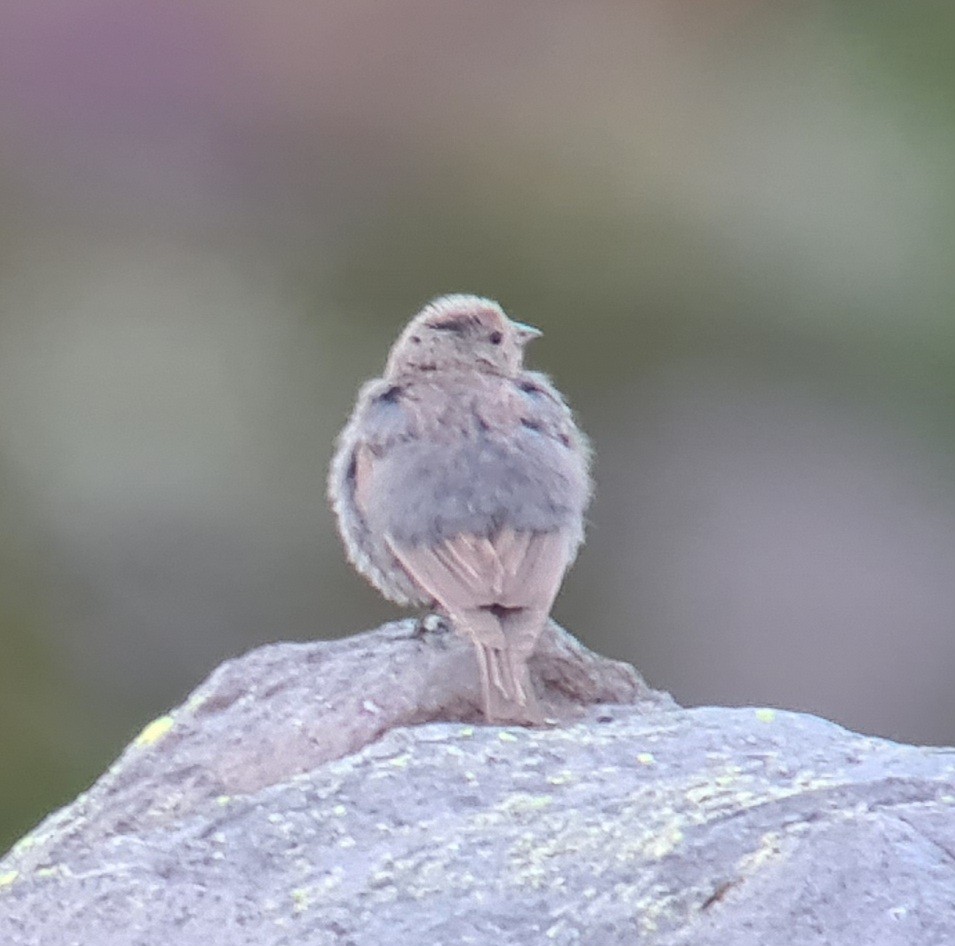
<point x="460" y="482"/>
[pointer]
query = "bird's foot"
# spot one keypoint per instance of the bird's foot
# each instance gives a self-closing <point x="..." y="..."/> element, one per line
<point x="432" y="623"/>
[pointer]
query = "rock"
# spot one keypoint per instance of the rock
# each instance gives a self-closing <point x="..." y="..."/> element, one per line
<point x="347" y="793"/>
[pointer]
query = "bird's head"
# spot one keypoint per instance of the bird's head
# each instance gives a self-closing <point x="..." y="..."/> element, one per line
<point x="461" y="333"/>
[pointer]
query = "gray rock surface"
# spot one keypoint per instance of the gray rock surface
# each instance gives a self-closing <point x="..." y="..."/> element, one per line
<point x="346" y="793"/>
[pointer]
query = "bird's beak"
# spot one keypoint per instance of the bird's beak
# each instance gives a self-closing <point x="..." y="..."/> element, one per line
<point x="526" y="333"/>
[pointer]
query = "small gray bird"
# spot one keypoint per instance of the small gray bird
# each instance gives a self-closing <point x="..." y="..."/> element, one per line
<point x="460" y="484"/>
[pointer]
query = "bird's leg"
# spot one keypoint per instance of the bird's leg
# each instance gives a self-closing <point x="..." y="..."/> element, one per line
<point x="431" y="623"/>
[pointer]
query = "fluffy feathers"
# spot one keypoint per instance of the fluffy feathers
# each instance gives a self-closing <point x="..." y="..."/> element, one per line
<point x="460" y="482"/>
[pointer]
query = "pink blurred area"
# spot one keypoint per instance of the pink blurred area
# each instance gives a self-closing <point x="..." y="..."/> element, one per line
<point x="733" y="222"/>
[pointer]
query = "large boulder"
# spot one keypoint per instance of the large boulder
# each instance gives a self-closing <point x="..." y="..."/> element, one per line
<point x="348" y="793"/>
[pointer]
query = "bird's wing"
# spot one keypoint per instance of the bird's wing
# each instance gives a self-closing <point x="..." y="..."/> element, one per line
<point x="544" y="406"/>
<point x="379" y="421"/>
<point x="510" y="569"/>
<point x="498" y="591"/>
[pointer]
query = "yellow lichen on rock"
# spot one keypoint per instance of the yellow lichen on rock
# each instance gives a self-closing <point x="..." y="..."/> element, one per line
<point x="154" y="731"/>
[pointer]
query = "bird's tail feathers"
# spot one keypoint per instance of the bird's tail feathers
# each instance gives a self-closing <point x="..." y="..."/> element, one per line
<point x="506" y="687"/>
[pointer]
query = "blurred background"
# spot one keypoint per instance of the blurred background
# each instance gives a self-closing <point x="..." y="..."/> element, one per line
<point x="733" y="221"/>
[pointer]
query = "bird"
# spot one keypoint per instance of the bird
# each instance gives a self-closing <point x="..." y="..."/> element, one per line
<point x="460" y="484"/>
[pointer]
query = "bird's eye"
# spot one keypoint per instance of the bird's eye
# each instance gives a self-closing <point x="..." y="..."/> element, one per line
<point x="495" y="338"/>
